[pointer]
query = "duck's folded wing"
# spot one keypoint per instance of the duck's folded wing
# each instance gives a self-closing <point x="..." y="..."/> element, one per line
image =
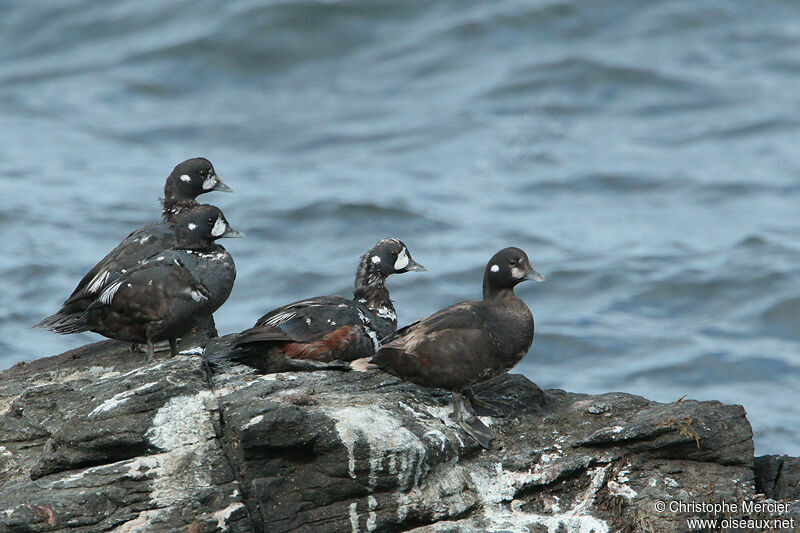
<point x="464" y="315"/>
<point x="435" y="359"/>
<point x="137" y="246"/>
<point x="309" y="319"/>
<point x="153" y="290"/>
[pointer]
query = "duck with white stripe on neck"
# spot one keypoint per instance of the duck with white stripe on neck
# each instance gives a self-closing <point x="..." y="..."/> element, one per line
<point x="317" y="333"/>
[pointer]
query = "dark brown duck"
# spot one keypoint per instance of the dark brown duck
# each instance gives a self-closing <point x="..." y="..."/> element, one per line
<point x="187" y="181"/>
<point x="469" y="342"/>
<point x="164" y="296"/>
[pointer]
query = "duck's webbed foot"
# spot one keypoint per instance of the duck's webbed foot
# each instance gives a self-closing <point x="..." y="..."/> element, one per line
<point x="472" y="425"/>
<point x="478" y="431"/>
<point x="159" y="346"/>
<point x="479" y="407"/>
<point x="309" y="365"/>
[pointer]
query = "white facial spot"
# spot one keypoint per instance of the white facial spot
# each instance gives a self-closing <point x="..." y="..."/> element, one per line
<point x="192" y="226"/>
<point x="402" y="260"/>
<point x="210" y="182"/>
<point x="219" y="227"/>
<point x="186" y="178"/>
<point x="495" y="268"/>
<point x="197" y="296"/>
<point x="518" y="273"/>
<point x="375" y="259"/>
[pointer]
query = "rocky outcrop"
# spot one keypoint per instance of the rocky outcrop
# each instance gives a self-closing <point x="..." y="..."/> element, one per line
<point x="93" y="441"/>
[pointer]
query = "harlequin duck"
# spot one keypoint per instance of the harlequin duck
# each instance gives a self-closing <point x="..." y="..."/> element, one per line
<point x="310" y="334"/>
<point x="469" y="342"/>
<point x="163" y="296"/>
<point x="187" y="180"/>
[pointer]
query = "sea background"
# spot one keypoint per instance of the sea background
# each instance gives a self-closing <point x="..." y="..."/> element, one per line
<point x="644" y="154"/>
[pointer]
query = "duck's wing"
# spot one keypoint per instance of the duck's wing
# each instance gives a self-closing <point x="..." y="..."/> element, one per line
<point x="136" y="247"/>
<point x="139" y="245"/>
<point x="306" y="320"/>
<point x="324" y="328"/>
<point x="438" y="349"/>
<point x="148" y="293"/>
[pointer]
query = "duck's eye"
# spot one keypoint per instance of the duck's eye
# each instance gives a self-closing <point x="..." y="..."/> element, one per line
<point x="395" y="252"/>
<point x="512" y="262"/>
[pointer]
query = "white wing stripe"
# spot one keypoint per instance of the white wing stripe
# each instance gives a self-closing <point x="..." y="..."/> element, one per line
<point x="280" y="318"/>
<point x="108" y="294"/>
<point x="98" y="281"/>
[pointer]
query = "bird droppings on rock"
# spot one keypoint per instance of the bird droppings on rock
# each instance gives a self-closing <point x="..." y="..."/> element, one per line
<point x="196" y="350"/>
<point x="385" y="437"/>
<point x="502" y="487"/>
<point x="223" y="515"/>
<point x="183" y="421"/>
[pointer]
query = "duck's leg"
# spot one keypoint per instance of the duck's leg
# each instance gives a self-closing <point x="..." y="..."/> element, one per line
<point x="173" y="346"/>
<point x="151" y="353"/>
<point x="479" y="407"/>
<point x="472" y="425"/>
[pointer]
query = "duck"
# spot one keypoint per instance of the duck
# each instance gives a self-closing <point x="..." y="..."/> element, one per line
<point x="187" y="180"/>
<point x="163" y="296"/>
<point x="469" y="342"/>
<point x="324" y="331"/>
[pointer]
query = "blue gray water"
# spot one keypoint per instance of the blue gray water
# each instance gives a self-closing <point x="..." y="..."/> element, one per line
<point x="644" y="154"/>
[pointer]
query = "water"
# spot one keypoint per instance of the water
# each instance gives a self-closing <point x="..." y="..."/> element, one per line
<point x="643" y="153"/>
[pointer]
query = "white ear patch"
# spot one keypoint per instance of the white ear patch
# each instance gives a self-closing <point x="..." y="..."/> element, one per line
<point x="219" y="227"/>
<point x="402" y="260"/>
<point x="197" y="296"/>
<point x="210" y="182"/>
<point x="186" y="178"/>
<point x="192" y="226"/>
<point x="495" y="268"/>
<point x="375" y="259"/>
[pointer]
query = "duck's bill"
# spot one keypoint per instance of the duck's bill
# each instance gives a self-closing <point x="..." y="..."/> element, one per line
<point x="220" y="186"/>
<point x="231" y="233"/>
<point x="413" y="266"/>
<point x="532" y="275"/>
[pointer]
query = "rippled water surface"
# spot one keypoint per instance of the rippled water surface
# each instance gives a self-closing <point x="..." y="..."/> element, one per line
<point x="645" y="154"/>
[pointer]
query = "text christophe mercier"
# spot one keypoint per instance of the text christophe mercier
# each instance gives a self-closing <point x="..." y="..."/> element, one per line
<point x="717" y="508"/>
<point x="748" y="508"/>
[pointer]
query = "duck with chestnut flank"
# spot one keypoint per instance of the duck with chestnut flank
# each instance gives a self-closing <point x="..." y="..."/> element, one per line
<point x="469" y="342"/>
<point x="188" y="180"/>
<point x="163" y="296"/>
<point x="319" y="333"/>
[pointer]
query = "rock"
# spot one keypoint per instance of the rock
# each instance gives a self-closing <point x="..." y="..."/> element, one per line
<point x="778" y="477"/>
<point x="93" y="441"/>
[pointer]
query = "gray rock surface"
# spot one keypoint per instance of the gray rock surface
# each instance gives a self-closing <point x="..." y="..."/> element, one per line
<point x="93" y="441"/>
<point x="778" y="477"/>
